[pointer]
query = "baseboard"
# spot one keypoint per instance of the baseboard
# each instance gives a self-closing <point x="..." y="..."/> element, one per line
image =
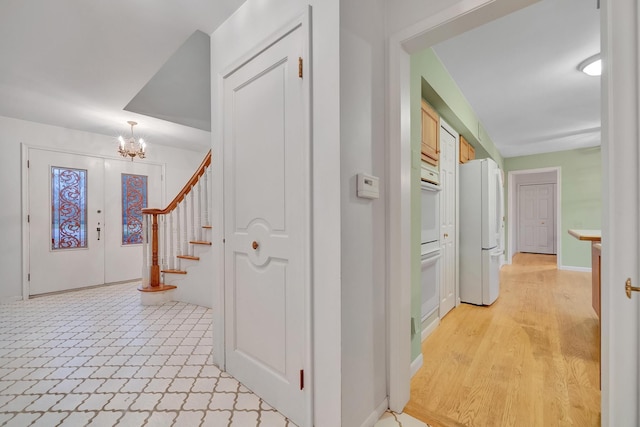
<point x="376" y="414"/>
<point x="573" y="268"/>
<point x="428" y="330"/>
<point x="9" y="300"/>
<point x="416" y="365"/>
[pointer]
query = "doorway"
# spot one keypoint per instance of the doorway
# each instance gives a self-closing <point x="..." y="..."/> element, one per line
<point x="84" y="225"/>
<point x="444" y="25"/>
<point x="547" y="180"/>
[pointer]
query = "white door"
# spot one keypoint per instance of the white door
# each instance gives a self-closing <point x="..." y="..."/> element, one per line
<point x="70" y="197"/>
<point x="266" y="195"/>
<point x="122" y="258"/>
<point x="66" y="207"/>
<point x="448" y="197"/>
<point x="536" y="218"/>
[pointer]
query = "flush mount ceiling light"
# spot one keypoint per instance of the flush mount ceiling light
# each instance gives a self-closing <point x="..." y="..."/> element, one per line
<point x="591" y="66"/>
<point x="132" y="147"/>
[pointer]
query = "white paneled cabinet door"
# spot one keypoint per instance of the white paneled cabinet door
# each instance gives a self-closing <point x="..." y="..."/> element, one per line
<point x="448" y="197"/>
<point x="266" y="193"/>
<point x="536" y="208"/>
<point x="66" y="196"/>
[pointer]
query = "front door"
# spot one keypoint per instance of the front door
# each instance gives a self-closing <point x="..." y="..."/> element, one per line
<point x="448" y="201"/>
<point x="536" y="218"/>
<point x="266" y="198"/>
<point x="71" y="196"/>
<point x="66" y="208"/>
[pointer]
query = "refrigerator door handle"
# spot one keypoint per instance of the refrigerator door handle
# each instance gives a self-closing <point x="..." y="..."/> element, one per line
<point x="496" y="252"/>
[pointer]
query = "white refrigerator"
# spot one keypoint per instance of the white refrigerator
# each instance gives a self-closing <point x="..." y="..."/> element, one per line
<point x="481" y="219"/>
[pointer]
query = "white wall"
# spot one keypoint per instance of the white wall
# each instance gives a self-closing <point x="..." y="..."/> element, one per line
<point x="180" y="165"/>
<point x="253" y="22"/>
<point x="362" y="144"/>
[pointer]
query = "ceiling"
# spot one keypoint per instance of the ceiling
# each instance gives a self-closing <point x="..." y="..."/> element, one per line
<point x="519" y="73"/>
<point x="77" y="64"/>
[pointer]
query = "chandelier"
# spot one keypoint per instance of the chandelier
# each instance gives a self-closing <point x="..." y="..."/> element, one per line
<point x="131" y="147"/>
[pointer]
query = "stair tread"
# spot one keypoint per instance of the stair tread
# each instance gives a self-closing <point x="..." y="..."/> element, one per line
<point x="174" y="271"/>
<point x="195" y="258"/>
<point x="200" y="242"/>
<point x="160" y="288"/>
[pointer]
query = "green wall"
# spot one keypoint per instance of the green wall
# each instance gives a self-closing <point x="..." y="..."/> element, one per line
<point x="581" y="195"/>
<point x="431" y="81"/>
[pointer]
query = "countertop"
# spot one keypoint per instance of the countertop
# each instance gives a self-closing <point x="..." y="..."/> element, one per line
<point x="590" y="235"/>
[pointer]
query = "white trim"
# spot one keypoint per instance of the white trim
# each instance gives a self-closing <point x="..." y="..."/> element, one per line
<point x="416" y="364"/>
<point x="573" y="268"/>
<point x="9" y="300"/>
<point x="376" y="414"/>
<point x="512" y="209"/>
<point x="24" y="150"/>
<point x="454" y="20"/>
<point x="428" y="330"/>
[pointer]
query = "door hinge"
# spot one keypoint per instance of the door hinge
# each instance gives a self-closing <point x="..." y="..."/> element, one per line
<point x="28" y="277"/>
<point x="27" y="164"/>
<point x="28" y="218"/>
<point x="300" y="67"/>
<point x="301" y="379"/>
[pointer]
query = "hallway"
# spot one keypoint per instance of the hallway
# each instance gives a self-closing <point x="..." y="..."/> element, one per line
<point x="97" y="357"/>
<point x="530" y="359"/>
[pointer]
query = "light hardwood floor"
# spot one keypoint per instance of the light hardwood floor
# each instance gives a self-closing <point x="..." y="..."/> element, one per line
<point x="530" y="359"/>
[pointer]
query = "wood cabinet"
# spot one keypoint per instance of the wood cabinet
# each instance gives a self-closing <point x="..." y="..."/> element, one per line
<point x="430" y="135"/>
<point x="467" y="152"/>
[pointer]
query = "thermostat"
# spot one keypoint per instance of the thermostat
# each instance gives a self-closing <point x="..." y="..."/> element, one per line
<point x="368" y="186"/>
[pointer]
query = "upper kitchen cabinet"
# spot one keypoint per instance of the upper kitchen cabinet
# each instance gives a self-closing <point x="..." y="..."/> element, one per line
<point x="430" y="135"/>
<point x="467" y="152"/>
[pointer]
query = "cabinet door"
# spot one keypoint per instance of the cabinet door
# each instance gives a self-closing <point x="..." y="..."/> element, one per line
<point x="464" y="150"/>
<point x="472" y="152"/>
<point x="430" y="135"/>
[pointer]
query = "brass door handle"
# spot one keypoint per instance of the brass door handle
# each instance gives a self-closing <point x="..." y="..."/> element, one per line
<point x="446" y="235"/>
<point x="255" y="245"/>
<point x="628" y="288"/>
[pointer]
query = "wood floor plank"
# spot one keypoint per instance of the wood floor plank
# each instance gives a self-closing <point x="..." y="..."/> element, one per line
<point x="530" y="359"/>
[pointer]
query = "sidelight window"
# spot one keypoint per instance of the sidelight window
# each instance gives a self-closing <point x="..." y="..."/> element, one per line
<point x="134" y="199"/>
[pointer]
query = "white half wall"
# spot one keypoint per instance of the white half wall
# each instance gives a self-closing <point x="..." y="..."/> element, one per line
<point x="180" y="165"/>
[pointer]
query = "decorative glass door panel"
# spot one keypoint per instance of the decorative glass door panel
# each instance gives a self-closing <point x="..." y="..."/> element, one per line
<point x="68" y="208"/>
<point x="134" y="199"/>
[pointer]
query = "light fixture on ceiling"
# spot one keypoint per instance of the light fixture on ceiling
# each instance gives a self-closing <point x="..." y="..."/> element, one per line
<point x="591" y="66"/>
<point x="132" y="147"/>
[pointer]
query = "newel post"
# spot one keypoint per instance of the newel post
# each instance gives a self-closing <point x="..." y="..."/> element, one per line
<point x="154" y="279"/>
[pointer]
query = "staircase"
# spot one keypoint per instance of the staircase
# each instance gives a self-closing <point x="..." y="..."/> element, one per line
<point x="175" y="240"/>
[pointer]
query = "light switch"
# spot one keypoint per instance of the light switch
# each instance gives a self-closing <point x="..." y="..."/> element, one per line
<point x="368" y="186"/>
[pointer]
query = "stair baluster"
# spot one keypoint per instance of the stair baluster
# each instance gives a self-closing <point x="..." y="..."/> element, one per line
<point x="156" y="251"/>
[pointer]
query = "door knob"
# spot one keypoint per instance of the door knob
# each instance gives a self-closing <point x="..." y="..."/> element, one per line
<point x="446" y="235"/>
<point x="255" y="245"/>
<point x="628" y="288"/>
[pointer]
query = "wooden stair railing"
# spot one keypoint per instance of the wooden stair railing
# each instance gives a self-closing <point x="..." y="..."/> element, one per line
<point x="154" y="283"/>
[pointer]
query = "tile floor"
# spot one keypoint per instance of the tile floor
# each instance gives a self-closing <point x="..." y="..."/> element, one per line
<point x="97" y="357"/>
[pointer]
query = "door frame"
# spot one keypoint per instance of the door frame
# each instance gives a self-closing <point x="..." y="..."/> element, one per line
<point x="512" y="210"/>
<point x="24" y="183"/>
<point x="313" y="312"/>
<point x="440" y="26"/>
